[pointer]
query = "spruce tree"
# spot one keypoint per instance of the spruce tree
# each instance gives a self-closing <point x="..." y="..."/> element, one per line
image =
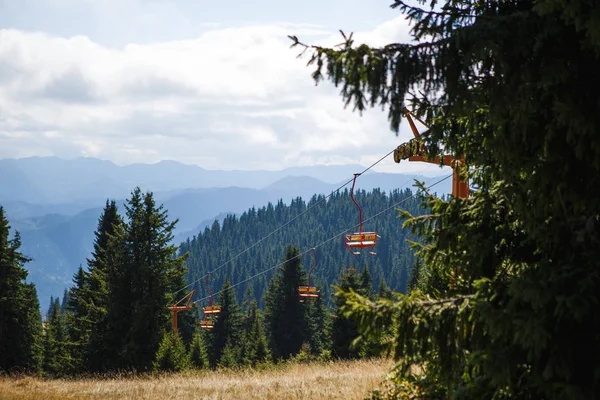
<point x="77" y="320"/>
<point x="319" y="326"/>
<point x="383" y="291"/>
<point x="142" y="272"/>
<point x="285" y="316"/>
<point x="366" y="282"/>
<point x="171" y="354"/>
<point x="198" y="354"/>
<point x="20" y="320"/>
<point x="228" y="326"/>
<point x="88" y="298"/>
<point x="255" y="346"/>
<point x="65" y="300"/>
<point x="344" y="330"/>
<point x="508" y="311"/>
<point x="57" y="358"/>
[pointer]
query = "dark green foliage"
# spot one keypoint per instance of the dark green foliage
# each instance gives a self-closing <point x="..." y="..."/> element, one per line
<point x="326" y="218"/>
<point x="57" y="358"/>
<point x="97" y="281"/>
<point x="366" y="283"/>
<point x="285" y="317"/>
<point x="507" y="293"/>
<point x="230" y="355"/>
<point x="198" y="354"/>
<point x="319" y="326"/>
<point x="88" y="300"/>
<point x="228" y="327"/>
<point x="171" y="354"/>
<point x="255" y="346"/>
<point x="77" y="320"/>
<point x="20" y="320"/>
<point x="141" y="272"/>
<point x="65" y="300"/>
<point x="344" y="330"/>
<point x="50" y="305"/>
<point x="385" y="292"/>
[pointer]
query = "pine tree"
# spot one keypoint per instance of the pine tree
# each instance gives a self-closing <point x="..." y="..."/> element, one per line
<point x="77" y="320"/>
<point x="319" y="327"/>
<point x="228" y="326"/>
<point x="142" y="270"/>
<point x="255" y="347"/>
<point x="507" y="311"/>
<point x="343" y="329"/>
<point x="366" y="282"/>
<point x="50" y="305"/>
<point x="383" y="291"/>
<point x="230" y="355"/>
<point x="20" y="321"/>
<point x="88" y="298"/>
<point x="198" y="352"/>
<point x="57" y="359"/>
<point x="285" y="316"/>
<point x="171" y="354"/>
<point x="65" y="300"/>
<point x="119" y="310"/>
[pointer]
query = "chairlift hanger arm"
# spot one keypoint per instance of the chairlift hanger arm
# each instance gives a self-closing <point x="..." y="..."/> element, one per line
<point x="176" y="308"/>
<point x="413" y="127"/>
<point x="188" y="298"/>
<point x="357" y="206"/>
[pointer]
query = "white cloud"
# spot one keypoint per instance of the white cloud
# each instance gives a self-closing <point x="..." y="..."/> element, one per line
<point x="232" y="98"/>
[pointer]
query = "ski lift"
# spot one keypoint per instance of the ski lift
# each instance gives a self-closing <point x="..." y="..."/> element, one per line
<point x="207" y="324"/>
<point x="211" y="309"/>
<point x="309" y="292"/>
<point x="359" y="240"/>
<point x="176" y="308"/>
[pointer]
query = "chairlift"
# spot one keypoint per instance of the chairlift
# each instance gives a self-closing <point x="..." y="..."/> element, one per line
<point x="359" y="240"/>
<point x="309" y="292"/>
<point x="207" y="324"/>
<point x="211" y="309"/>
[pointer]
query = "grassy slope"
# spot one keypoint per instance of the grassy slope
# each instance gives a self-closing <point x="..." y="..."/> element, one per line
<point x="336" y="380"/>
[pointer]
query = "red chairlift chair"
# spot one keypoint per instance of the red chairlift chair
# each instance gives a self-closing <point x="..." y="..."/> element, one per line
<point x="309" y="292"/>
<point x="209" y="310"/>
<point x="360" y="240"/>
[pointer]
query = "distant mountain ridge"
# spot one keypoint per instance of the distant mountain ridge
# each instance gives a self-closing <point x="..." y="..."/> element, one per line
<point x="44" y="180"/>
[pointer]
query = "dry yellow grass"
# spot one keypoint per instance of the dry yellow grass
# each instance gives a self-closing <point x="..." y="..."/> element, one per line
<point x="337" y="380"/>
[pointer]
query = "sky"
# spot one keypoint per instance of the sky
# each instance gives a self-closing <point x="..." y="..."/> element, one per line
<point x="208" y="83"/>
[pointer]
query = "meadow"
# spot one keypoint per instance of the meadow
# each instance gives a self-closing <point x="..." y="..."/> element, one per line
<point x="331" y="380"/>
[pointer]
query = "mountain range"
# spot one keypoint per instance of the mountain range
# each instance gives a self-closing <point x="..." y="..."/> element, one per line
<point x="55" y="203"/>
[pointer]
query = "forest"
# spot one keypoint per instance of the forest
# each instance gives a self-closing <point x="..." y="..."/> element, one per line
<point x="115" y="317"/>
<point x="253" y="244"/>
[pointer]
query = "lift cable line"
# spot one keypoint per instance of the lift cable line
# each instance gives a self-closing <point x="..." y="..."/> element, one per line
<point x="322" y="243"/>
<point x="285" y="224"/>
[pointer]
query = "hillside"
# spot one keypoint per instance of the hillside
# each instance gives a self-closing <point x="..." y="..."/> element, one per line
<point x="58" y="235"/>
<point x="318" y="226"/>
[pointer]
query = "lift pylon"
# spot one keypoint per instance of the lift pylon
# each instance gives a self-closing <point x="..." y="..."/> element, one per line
<point x="176" y="308"/>
<point x="414" y="150"/>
